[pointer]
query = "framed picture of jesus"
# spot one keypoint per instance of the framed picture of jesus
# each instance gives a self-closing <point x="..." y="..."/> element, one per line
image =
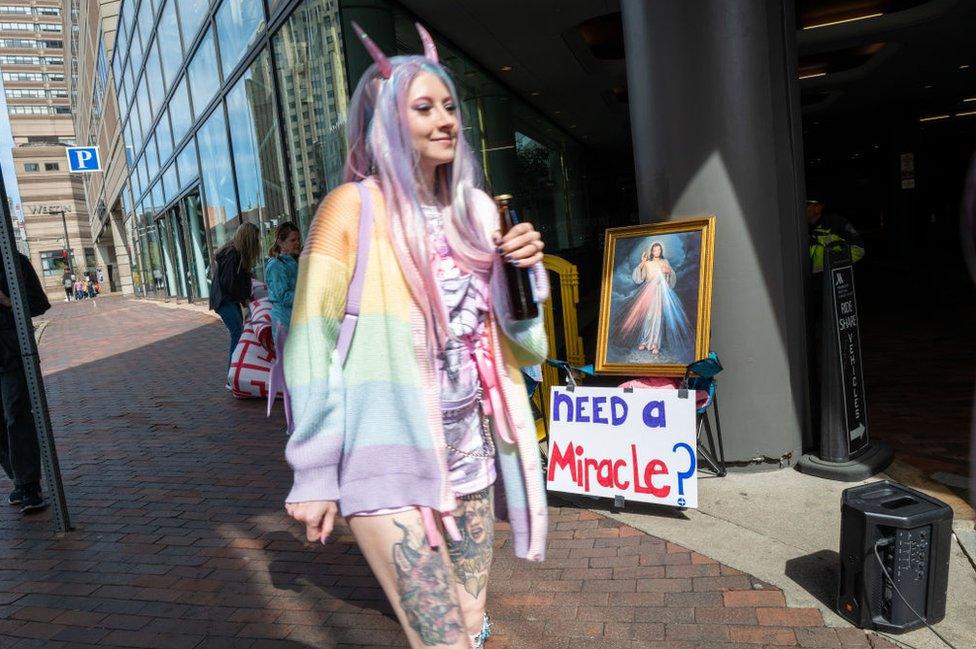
<point x="655" y="304"/>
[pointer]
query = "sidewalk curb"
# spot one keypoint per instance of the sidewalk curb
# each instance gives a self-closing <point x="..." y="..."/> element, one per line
<point x="967" y="541"/>
<point x="39" y="330"/>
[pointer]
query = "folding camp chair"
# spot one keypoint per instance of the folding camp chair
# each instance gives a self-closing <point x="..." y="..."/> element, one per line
<point x="700" y="375"/>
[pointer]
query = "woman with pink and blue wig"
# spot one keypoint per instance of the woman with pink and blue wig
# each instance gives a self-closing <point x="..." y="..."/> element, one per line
<point x="411" y="418"/>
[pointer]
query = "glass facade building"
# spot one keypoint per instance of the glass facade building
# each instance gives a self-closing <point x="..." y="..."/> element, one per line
<point x="235" y="111"/>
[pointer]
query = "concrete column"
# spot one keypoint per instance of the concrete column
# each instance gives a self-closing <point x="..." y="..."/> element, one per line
<point x="499" y="141"/>
<point x="714" y="118"/>
<point x="123" y="267"/>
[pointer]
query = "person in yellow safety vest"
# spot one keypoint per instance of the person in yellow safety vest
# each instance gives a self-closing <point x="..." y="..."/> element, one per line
<point x="827" y="229"/>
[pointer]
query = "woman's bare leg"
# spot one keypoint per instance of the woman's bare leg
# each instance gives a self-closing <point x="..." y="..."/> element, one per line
<point x="418" y="581"/>
<point x="471" y="556"/>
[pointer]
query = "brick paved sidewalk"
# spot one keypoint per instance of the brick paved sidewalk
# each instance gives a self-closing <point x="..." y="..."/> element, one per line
<point x="181" y="541"/>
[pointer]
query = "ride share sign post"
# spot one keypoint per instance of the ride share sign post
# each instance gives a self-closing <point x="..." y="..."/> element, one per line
<point x="611" y="442"/>
<point x="846" y="451"/>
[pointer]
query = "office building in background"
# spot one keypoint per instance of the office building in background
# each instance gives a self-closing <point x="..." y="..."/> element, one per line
<point x="32" y="62"/>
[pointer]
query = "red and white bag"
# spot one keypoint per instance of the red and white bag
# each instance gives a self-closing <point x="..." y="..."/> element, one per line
<point x="250" y="367"/>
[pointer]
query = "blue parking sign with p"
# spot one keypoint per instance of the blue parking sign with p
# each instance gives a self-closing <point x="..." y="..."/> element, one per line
<point x="83" y="159"/>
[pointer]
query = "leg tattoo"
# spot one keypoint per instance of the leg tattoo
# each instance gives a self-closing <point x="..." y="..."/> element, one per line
<point x="425" y="590"/>
<point x="471" y="555"/>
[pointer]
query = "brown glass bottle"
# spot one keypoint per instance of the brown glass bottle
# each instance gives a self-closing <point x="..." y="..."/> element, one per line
<point x="520" y="294"/>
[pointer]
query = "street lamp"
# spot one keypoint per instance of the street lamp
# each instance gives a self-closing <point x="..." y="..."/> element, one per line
<point x="67" y="243"/>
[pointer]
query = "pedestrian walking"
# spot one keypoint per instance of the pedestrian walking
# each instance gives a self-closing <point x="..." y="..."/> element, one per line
<point x="231" y="285"/>
<point x="100" y="276"/>
<point x="79" y="290"/>
<point x="69" y="287"/>
<point x="427" y="398"/>
<point x="281" y="273"/>
<point x="20" y="453"/>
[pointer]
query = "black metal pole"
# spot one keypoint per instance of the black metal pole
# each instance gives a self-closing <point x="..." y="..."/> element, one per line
<point x="67" y="243"/>
<point x="846" y="452"/>
<point x="32" y="370"/>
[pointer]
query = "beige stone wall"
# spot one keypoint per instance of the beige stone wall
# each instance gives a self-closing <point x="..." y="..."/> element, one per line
<point x="42" y="193"/>
<point x="101" y="189"/>
<point x="36" y="142"/>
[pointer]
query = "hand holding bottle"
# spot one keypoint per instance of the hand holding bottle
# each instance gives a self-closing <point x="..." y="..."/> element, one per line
<point x="522" y="245"/>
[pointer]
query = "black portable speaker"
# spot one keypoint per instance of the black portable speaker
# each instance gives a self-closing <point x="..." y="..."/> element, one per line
<point x="913" y="532"/>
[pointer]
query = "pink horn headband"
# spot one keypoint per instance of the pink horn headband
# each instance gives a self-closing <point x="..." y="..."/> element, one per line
<point x="430" y="50"/>
<point x="382" y="63"/>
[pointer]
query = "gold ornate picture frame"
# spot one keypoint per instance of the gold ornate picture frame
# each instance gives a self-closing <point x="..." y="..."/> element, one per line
<point x="656" y="297"/>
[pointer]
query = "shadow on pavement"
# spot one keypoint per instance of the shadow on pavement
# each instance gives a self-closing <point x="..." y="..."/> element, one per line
<point x="341" y="557"/>
<point x="606" y="505"/>
<point x="818" y="574"/>
<point x="176" y="491"/>
<point x="182" y="540"/>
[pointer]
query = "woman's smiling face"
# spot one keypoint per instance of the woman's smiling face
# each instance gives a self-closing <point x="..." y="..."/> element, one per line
<point x="432" y="121"/>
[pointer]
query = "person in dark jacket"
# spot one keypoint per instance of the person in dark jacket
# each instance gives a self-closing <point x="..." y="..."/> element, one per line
<point x="231" y="285"/>
<point x="20" y="453"/>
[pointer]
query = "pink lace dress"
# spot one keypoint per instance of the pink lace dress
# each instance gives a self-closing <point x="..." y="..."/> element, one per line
<point x="469" y="443"/>
<point x="470" y="449"/>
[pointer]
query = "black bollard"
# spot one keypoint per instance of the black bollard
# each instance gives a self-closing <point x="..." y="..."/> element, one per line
<point x="846" y="451"/>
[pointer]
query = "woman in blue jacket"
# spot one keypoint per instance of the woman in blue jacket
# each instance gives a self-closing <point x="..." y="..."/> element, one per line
<point x="281" y="274"/>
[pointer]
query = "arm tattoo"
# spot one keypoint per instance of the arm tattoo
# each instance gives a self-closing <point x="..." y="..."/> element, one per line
<point x="426" y="594"/>
<point x="471" y="555"/>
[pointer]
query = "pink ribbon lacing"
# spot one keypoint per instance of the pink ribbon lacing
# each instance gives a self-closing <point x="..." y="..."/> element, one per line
<point x="492" y="404"/>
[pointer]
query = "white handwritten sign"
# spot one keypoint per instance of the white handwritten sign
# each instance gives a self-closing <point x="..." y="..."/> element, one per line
<point x="608" y="442"/>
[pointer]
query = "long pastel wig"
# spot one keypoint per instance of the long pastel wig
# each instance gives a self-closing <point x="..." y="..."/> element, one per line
<point x="379" y="145"/>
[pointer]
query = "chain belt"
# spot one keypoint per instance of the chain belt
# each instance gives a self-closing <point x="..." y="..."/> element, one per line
<point x="487" y="450"/>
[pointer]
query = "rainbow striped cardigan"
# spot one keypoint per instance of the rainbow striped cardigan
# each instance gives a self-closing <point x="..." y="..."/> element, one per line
<point x="369" y="435"/>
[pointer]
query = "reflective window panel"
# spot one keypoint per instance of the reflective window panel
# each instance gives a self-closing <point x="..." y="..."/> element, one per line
<point x="145" y="21"/>
<point x="239" y="23"/>
<point x="217" y="179"/>
<point x="311" y="75"/>
<point x="170" y="183"/>
<point x="192" y="13"/>
<point x="256" y="147"/>
<point x="164" y="139"/>
<point x="152" y="157"/>
<point x="154" y="77"/>
<point x="186" y="162"/>
<point x="145" y="112"/>
<point x="197" y="256"/>
<point x="204" y="75"/>
<point x="179" y="110"/>
<point x="169" y="36"/>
